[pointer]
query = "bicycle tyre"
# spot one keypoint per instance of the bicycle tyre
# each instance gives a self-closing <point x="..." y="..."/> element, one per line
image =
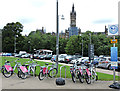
<point x="21" y="75"/>
<point x="32" y="70"/>
<point x="5" y="72"/>
<point x="41" y="76"/>
<point x="52" y="72"/>
<point x="94" y="76"/>
<point x="88" y="78"/>
<point x="81" y="78"/>
<point x="73" y="77"/>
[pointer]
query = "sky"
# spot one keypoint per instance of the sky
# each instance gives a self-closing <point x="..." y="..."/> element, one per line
<point x="92" y="15"/>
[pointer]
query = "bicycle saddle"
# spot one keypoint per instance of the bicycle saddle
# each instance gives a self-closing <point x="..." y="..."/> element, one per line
<point x="8" y="62"/>
<point x="78" y="64"/>
<point x="46" y="63"/>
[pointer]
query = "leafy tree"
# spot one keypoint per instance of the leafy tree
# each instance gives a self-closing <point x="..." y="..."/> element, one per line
<point x="8" y="35"/>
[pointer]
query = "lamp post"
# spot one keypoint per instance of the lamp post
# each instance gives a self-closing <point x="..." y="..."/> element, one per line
<point x="82" y="44"/>
<point x="57" y="33"/>
<point x="90" y="37"/>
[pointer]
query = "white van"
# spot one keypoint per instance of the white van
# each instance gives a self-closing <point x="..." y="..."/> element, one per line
<point x="22" y="52"/>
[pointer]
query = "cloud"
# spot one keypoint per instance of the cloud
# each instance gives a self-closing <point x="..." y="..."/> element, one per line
<point x="103" y="21"/>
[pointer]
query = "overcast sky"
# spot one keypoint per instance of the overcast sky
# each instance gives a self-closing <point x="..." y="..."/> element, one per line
<point x="92" y="15"/>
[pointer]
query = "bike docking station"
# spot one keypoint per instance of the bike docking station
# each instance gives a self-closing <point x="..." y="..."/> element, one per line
<point x="93" y="74"/>
<point x="60" y="80"/>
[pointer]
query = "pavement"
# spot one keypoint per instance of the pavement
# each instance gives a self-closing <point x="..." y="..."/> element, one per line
<point x="48" y="83"/>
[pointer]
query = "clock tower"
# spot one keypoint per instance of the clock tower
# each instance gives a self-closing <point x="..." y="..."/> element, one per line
<point x="73" y="17"/>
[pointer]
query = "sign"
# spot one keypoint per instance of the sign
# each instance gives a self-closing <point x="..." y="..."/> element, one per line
<point x="114" y="59"/>
<point x="91" y="51"/>
<point x="113" y="41"/>
<point x="113" y="29"/>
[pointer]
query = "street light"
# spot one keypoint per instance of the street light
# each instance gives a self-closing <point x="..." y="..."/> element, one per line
<point x="57" y="31"/>
<point x="82" y="44"/>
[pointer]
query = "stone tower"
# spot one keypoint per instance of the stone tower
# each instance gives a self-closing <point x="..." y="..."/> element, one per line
<point x="73" y="17"/>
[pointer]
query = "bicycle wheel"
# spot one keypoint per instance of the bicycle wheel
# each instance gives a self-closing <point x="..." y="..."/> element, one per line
<point x="41" y="76"/>
<point x="32" y="71"/>
<point x="52" y="72"/>
<point x="21" y="75"/>
<point x="6" y="73"/>
<point x="73" y="77"/>
<point x="94" y="76"/>
<point x="88" y="78"/>
<point x="81" y="77"/>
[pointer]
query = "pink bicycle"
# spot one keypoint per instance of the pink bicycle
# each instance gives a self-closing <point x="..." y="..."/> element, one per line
<point x="8" y="71"/>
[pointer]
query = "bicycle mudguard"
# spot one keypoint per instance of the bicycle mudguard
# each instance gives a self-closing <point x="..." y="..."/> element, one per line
<point x="24" y="69"/>
<point x="88" y="72"/>
<point x="44" y="70"/>
<point x="8" y="68"/>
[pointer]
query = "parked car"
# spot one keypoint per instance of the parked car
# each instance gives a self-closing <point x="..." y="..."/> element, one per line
<point x="41" y="57"/>
<point x="61" y="58"/>
<point x="35" y="56"/>
<point x="105" y="62"/>
<point x="26" y="55"/>
<point x="53" y="58"/>
<point x="48" y="57"/>
<point x="16" y="55"/>
<point x="7" y="54"/>
<point x="68" y="58"/>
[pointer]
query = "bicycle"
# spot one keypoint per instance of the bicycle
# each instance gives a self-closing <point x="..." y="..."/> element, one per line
<point x="31" y="67"/>
<point x="75" y="71"/>
<point x="94" y="76"/>
<point x="44" y="72"/>
<point x="84" y="73"/>
<point x="8" y="71"/>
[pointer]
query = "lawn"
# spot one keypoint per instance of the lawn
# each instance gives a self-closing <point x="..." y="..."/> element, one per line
<point x="101" y="76"/>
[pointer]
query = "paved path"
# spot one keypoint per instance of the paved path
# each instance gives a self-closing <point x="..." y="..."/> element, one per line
<point x="48" y="83"/>
<point x="97" y="69"/>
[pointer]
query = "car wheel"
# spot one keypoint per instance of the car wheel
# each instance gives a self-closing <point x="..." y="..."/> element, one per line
<point x="109" y="67"/>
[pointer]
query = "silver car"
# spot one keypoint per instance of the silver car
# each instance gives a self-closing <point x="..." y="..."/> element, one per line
<point x="105" y="62"/>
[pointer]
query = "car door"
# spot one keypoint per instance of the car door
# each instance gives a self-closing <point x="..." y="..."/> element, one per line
<point x="102" y="62"/>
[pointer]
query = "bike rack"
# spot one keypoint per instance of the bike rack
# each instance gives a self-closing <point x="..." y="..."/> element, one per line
<point x="47" y="69"/>
<point x="61" y="69"/>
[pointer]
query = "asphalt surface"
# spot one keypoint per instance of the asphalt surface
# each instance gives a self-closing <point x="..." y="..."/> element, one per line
<point x="48" y="83"/>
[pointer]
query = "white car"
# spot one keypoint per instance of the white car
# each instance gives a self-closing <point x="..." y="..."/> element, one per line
<point x="61" y="58"/>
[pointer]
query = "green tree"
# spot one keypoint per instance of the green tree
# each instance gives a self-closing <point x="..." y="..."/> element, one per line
<point x="8" y="35"/>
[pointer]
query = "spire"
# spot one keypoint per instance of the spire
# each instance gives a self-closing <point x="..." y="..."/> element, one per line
<point x="73" y="8"/>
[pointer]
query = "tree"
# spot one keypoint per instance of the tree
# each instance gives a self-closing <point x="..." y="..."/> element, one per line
<point x="73" y="45"/>
<point x="8" y="35"/>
